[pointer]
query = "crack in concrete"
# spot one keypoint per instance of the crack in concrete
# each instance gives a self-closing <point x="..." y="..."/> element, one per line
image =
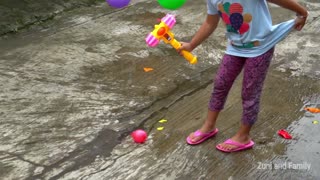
<point x="19" y="157"/>
<point x="83" y="155"/>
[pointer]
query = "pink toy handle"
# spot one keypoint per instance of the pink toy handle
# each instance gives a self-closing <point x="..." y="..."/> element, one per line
<point x="169" y="20"/>
<point x="151" y="40"/>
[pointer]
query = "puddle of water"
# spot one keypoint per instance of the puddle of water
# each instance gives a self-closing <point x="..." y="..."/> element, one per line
<point x="306" y="147"/>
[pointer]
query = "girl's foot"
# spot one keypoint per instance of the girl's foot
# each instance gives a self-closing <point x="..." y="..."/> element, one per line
<point x="238" y="139"/>
<point x="202" y="136"/>
<point x="207" y="127"/>
<point x="204" y="129"/>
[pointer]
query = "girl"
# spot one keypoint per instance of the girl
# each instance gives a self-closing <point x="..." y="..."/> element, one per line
<point x="251" y="41"/>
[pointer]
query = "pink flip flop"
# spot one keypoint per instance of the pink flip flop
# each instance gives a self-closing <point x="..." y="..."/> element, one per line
<point x="238" y="148"/>
<point x="204" y="136"/>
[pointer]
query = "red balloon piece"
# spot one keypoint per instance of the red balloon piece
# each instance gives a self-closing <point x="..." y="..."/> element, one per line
<point x="139" y="136"/>
<point x="283" y="133"/>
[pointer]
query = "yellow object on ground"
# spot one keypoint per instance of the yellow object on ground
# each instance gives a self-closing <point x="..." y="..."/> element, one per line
<point x="162" y="121"/>
<point x="160" y="128"/>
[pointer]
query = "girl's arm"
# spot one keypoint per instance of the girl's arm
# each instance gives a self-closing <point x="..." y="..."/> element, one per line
<point x="206" y="29"/>
<point x="293" y="5"/>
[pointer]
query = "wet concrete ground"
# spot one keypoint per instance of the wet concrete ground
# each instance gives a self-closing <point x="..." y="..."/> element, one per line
<point x="16" y="15"/>
<point x="74" y="89"/>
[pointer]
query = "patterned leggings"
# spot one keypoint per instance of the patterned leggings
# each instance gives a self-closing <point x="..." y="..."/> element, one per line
<point x="255" y="70"/>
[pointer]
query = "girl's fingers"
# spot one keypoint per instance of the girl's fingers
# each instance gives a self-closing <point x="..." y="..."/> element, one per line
<point x="181" y="47"/>
<point x="180" y="52"/>
<point x="299" y="24"/>
<point x="299" y="27"/>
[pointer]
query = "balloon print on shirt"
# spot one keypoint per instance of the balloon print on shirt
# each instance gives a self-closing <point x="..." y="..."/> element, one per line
<point x="233" y="17"/>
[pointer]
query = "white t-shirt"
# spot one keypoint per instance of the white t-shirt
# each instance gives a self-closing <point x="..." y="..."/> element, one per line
<point x="249" y="26"/>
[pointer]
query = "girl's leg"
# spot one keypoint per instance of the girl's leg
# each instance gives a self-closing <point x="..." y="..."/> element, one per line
<point x="228" y="71"/>
<point x="255" y="71"/>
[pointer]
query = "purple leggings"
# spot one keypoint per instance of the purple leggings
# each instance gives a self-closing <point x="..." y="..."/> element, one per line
<point x="255" y="70"/>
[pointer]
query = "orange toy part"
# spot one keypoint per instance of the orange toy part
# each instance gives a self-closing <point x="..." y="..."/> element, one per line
<point x="313" y="110"/>
<point x="161" y="31"/>
<point x="147" y="69"/>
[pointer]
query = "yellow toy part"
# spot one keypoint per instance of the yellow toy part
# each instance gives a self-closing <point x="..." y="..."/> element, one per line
<point x="186" y="54"/>
<point x="162" y="32"/>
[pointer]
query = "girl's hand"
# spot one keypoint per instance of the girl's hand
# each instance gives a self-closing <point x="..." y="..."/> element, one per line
<point x="300" y="21"/>
<point x="185" y="46"/>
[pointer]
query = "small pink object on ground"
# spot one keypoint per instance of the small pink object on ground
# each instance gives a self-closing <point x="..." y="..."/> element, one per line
<point x="139" y="136"/>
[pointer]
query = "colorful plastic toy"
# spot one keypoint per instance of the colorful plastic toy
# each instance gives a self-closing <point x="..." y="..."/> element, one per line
<point x="162" y="32"/>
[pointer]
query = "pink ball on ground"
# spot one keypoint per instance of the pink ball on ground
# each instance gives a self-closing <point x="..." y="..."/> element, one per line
<point x="139" y="136"/>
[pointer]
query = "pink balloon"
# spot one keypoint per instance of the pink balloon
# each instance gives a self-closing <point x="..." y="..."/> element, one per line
<point x="244" y="28"/>
<point x="139" y="136"/>
<point x="225" y="18"/>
